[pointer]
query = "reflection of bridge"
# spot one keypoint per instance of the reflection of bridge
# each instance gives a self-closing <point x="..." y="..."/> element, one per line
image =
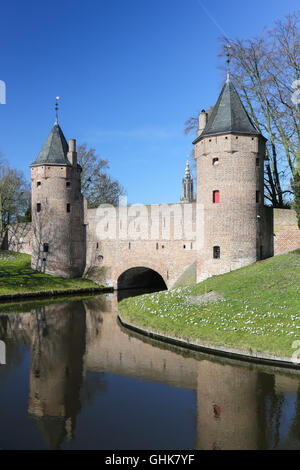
<point x="234" y="404"/>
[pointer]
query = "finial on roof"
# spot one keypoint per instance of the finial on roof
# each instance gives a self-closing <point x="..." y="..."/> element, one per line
<point x="228" y="47"/>
<point x="56" y="110"/>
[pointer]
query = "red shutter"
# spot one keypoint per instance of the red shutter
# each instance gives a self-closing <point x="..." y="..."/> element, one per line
<point x="216" y="196"/>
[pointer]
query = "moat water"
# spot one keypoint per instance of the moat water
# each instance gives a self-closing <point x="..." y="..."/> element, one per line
<point x="75" y="379"/>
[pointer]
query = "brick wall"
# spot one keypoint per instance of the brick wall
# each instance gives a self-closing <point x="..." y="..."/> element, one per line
<point x="18" y="238"/>
<point x="59" y="221"/>
<point x="233" y="224"/>
<point x="286" y="231"/>
<point x="152" y="237"/>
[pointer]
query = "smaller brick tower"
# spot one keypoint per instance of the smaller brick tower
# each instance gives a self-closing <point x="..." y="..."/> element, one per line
<point x="57" y="208"/>
<point x="229" y="152"/>
<point x="187" y="185"/>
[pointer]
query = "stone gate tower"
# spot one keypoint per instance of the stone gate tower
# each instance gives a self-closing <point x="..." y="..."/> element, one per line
<point x="57" y="208"/>
<point x="229" y="153"/>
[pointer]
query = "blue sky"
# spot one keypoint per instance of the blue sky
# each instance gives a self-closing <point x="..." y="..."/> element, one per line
<point x="129" y="73"/>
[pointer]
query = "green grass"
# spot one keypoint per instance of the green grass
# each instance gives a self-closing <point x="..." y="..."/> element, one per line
<point x="260" y="309"/>
<point x="17" y="277"/>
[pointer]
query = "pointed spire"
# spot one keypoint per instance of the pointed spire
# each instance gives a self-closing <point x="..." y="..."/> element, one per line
<point x="187" y="185"/>
<point x="187" y="174"/>
<point x="55" y="149"/>
<point x="229" y="115"/>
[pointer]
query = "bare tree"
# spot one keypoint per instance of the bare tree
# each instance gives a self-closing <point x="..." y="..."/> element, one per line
<point x="14" y="196"/>
<point x="97" y="186"/>
<point x="264" y="71"/>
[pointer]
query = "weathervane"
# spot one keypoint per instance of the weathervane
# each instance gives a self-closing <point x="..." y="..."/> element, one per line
<point x="56" y="109"/>
<point x="228" y="47"/>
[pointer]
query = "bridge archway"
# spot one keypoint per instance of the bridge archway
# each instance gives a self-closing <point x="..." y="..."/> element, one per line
<point x="141" y="277"/>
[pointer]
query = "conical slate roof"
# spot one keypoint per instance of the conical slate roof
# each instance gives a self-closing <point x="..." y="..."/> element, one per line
<point x="55" y="149"/>
<point x="229" y="115"/>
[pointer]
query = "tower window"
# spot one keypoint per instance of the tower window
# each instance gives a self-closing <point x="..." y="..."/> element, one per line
<point x="46" y="247"/>
<point x="68" y="184"/>
<point x="215" y="161"/>
<point x="257" y="196"/>
<point x="38" y="207"/>
<point x="157" y="246"/>
<point x="38" y="183"/>
<point x="216" y="252"/>
<point x="216" y="196"/>
<point x="257" y="162"/>
<point x="129" y="246"/>
<point x="68" y="207"/>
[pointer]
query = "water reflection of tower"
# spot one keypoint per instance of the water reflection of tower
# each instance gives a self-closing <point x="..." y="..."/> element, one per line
<point x="227" y="407"/>
<point x="56" y="370"/>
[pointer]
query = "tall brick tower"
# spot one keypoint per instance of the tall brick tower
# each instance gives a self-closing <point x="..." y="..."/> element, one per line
<point x="229" y="153"/>
<point x="57" y="208"/>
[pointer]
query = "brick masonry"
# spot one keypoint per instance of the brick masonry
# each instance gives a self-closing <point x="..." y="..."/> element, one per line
<point x="59" y="223"/>
<point x="108" y="259"/>
<point x="104" y="243"/>
<point x="286" y="231"/>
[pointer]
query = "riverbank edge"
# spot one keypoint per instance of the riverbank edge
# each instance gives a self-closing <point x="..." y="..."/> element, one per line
<point x="223" y="351"/>
<point x="55" y="293"/>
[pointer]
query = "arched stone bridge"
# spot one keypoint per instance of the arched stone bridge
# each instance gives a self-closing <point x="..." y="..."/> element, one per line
<point x="164" y="261"/>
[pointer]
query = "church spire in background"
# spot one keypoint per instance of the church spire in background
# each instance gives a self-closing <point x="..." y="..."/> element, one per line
<point x="187" y="185"/>
<point x="187" y="174"/>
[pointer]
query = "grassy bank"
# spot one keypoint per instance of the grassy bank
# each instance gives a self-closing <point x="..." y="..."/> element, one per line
<point x="256" y="308"/>
<point x="17" y="278"/>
